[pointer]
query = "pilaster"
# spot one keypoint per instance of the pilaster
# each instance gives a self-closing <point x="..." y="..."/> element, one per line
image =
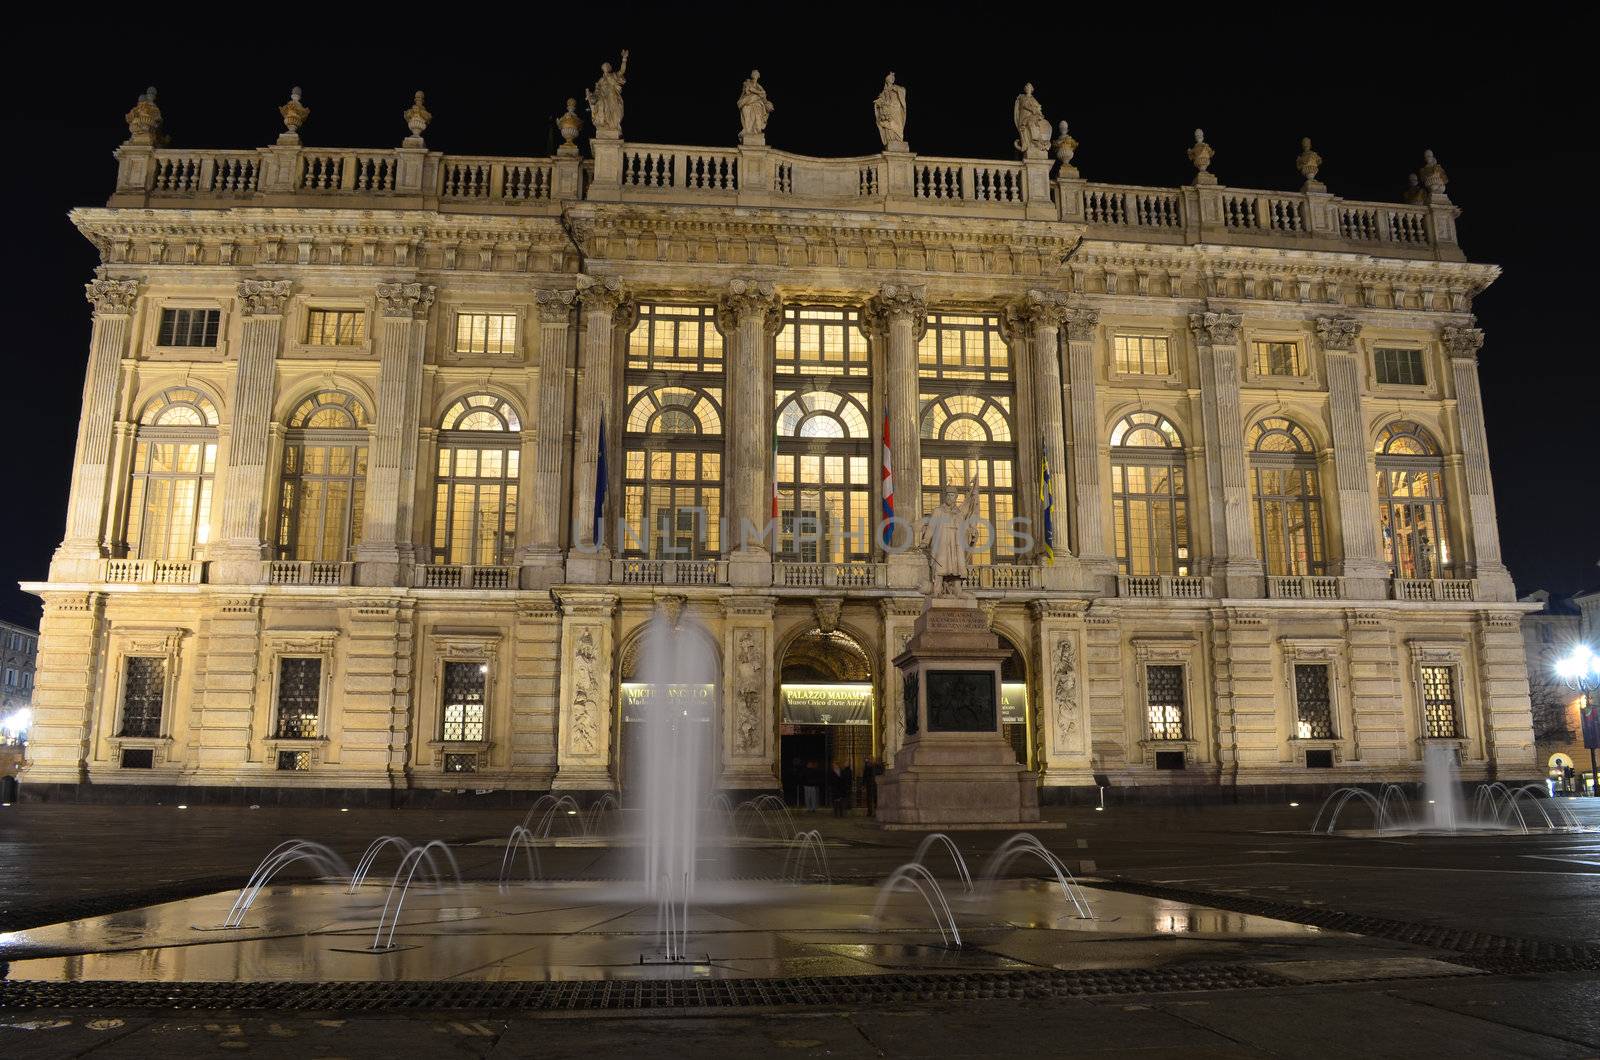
<point x="1375" y="683"/>
<point x="1503" y="692"/>
<point x="535" y="691"/>
<point x="605" y="308"/>
<point x="900" y="313"/>
<point x="1093" y="549"/>
<point x="1235" y="566"/>
<point x="1247" y="695"/>
<point x="224" y="694"/>
<point x="749" y="723"/>
<point x="68" y="672"/>
<point x="1461" y="345"/>
<point x="753" y="312"/>
<point x="378" y="690"/>
<point x="385" y="553"/>
<point x="899" y="614"/>
<point x="1062" y="716"/>
<point x="583" y="729"/>
<point x="543" y="563"/>
<point x="1362" y="566"/>
<point x="84" y="543"/>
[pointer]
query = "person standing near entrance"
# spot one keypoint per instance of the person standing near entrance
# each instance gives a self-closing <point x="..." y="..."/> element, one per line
<point x="813" y="787"/>
<point x="843" y="790"/>
<point x="869" y="777"/>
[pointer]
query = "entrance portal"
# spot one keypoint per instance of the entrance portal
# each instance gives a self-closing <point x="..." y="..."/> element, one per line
<point x="828" y="707"/>
<point x="634" y="697"/>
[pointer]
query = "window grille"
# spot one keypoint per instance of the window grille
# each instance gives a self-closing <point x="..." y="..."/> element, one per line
<point x="1313" y="701"/>
<point x="463" y="702"/>
<point x="299" y="698"/>
<point x="1164" y="698"/>
<point x="1439" y="702"/>
<point x="295" y="761"/>
<point x="144" y="690"/>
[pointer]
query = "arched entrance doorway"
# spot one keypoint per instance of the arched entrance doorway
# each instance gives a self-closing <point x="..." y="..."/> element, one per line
<point x="828" y="712"/>
<point x="635" y="694"/>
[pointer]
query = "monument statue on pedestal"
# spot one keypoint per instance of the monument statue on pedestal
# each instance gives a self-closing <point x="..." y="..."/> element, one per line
<point x="946" y="536"/>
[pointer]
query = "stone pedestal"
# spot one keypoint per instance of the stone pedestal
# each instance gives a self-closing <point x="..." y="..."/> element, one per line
<point x="954" y="767"/>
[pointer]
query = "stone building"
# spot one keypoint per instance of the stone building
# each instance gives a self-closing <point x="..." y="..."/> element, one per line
<point x="333" y="520"/>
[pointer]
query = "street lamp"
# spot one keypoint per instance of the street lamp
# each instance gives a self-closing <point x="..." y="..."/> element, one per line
<point x="1580" y="672"/>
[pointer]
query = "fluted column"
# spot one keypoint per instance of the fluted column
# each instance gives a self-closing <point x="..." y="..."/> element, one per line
<point x="605" y="307"/>
<point x="386" y="552"/>
<point x="752" y="312"/>
<point x="1234" y="564"/>
<point x="1082" y="324"/>
<point x="542" y="558"/>
<point x="900" y="312"/>
<point x="237" y="557"/>
<point x="1362" y="565"/>
<point x="1483" y="560"/>
<point x="1039" y="316"/>
<point x="83" y="545"/>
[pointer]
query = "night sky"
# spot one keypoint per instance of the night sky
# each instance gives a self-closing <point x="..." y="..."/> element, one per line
<point x="1372" y="93"/>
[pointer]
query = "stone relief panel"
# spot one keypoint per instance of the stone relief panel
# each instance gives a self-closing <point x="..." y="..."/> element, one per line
<point x="750" y="673"/>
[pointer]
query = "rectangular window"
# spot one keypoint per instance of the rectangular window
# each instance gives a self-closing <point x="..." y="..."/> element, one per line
<point x="486" y="333"/>
<point x="299" y="697"/>
<point x="1439" y="702"/>
<point x="1141" y="354"/>
<point x="295" y="761"/>
<point x="336" y="327"/>
<point x="463" y="701"/>
<point x="144" y="689"/>
<point x="1277" y="358"/>
<point x="460" y="763"/>
<point x="1313" y="702"/>
<point x="1399" y="367"/>
<point x="1164" y="698"/>
<point x="138" y="758"/>
<point x="189" y="327"/>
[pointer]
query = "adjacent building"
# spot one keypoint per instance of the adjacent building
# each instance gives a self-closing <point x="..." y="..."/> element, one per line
<point x="387" y="456"/>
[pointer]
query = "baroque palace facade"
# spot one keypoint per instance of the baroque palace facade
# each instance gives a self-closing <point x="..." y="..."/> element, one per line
<point x="349" y="415"/>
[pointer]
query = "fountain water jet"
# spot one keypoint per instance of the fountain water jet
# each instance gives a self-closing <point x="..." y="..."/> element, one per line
<point x="370" y="856"/>
<point x="1027" y="843"/>
<point x="916" y="877"/>
<point x="955" y="856"/>
<point x="794" y="862"/>
<point x="520" y="836"/>
<point x="408" y="867"/>
<point x="279" y="858"/>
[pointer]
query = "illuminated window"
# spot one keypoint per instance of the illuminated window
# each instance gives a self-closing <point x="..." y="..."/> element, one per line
<point x="824" y="438"/>
<point x="673" y="434"/>
<point x="1411" y="508"/>
<point x="174" y="463"/>
<point x="963" y="347"/>
<point x="1149" y="500"/>
<point x="188" y="327"/>
<point x="1141" y="354"/>
<point x="322" y="495"/>
<point x="494" y="333"/>
<point x="1439" y="701"/>
<point x="1288" y="517"/>
<point x="299" y="698"/>
<point x="1277" y="358"/>
<point x="144" y="692"/>
<point x="336" y="327"/>
<point x="1164" y="701"/>
<point x="1313" y="701"/>
<point x="1399" y="367"/>
<point x="463" y="707"/>
<point x="475" y="484"/>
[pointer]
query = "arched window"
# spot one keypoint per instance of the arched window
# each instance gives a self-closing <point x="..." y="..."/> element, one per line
<point x="1149" y="496"/>
<point x="324" y="478"/>
<point x="964" y="373"/>
<point x="174" y="461"/>
<point x="673" y="434"/>
<point x="1288" y="522"/>
<point x="824" y="437"/>
<point x="475" y="491"/>
<point x="1411" y="507"/>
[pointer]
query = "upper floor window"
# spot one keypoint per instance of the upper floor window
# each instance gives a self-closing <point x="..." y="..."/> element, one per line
<point x="967" y="347"/>
<point x="672" y="478"/>
<point x="336" y="327"/>
<point x="1277" y="357"/>
<point x="174" y="463"/>
<point x="675" y="338"/>
<point x="188" y="327"/>
<point x="1149" y="498"/>
<point x="475" y="487"/>
<point x="323" y="491"/>
<point x="1412" y="514"/>
<point x="1399" y="367"/>
<point x="823" y="484"/>
<point x="816" y="340"/>
<point x="1141" y="354"/>
<point x="493" y="333"/>
<point x="1288" y="500"/>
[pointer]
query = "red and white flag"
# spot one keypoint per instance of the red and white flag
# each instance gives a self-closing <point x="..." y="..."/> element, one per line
<point x="888" y="484"/>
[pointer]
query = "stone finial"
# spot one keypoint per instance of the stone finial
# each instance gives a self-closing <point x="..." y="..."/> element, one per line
<point x="1432" y="176"/>
<point x="294" y="114"/>
<point x="144" y="120"/>
<point x="417" y="119"/>
<point x="569" y="125"/>
<point x="1413" y="192"/>
<point x="1308" y="162"/>
<point x="1200" y="154"/>
<point x="1064" y="146"/>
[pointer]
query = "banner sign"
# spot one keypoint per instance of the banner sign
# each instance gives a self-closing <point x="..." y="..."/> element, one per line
<point x="638" y="697"/>
<point x="1013" y="703"/>
<point x="1589" y="714"/>
<point x="827" y="704"/>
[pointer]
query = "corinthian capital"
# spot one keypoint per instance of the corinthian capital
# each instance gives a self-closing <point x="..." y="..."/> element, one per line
<point x="603" y="294"/>
<point x="896" y="301"/>
<point x="1215" y="329"/>
<point x="747" y="298"/>
<point x="410" y="301"/>
<point x="1081" y="322"/>
<point x="263" y="297"/>
<point x="1337" y="333"/>
<point x="556" y="304"/>
<point x="112" y="296"/>
<point x="1461" y="342"/>
<point x="1039" y="308"/>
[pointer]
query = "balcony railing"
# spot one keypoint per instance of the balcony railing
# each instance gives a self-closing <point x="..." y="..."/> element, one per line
<point x="830" y="575"/>
<point x="154" y="571"/>
<point x="636" y="571"/>
<point x="1440" y="590"/>
<point x="1000" y="576"/>
<point x="1305" y="588"/>
<point x="463" y="576"/>
<point x="1163" y="586"/>
<point x="891" y="182"/>
<point x="308" y="572"/>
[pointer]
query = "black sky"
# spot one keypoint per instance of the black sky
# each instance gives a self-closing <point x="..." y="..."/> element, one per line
<point x="1504" y="103"/>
